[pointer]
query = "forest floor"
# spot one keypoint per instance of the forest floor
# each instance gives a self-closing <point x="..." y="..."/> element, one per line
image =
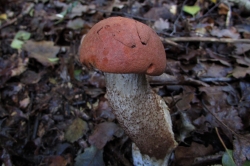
<point x="51" y="105"/>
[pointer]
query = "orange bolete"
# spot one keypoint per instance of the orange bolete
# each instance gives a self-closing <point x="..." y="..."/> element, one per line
<point x="125" y="50"/>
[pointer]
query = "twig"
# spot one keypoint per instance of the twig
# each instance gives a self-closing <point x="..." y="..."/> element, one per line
<point x="222" y="142"/>
<point x="217" y="79"/>
<point x="177" y="19"/>
<point x="127" y="15"/>
<point x="205" y="39"/>
<point x="203" y="160"/>
<point x="171" y="42"/>
<point x="210" y="10"/>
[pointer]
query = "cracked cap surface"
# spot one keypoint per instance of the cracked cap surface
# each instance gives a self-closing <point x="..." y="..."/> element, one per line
<point x="123" y="45"/>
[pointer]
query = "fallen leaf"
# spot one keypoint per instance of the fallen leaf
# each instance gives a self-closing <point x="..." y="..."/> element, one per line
<point x="104" y="110"/>
<point x="30" y="77"/>
<point x="75" y="24"/>
<point x="240" y="72"/>
<point x="227" y="158"/>
<point x="91" y="157"/>
<point x="97" y="79"/>
<point x="76" y="130"/>
<point x="55" y="161"/>
<point x="223" y="9"/>
<point x="103" y="133"/>
<point x="159" y="12"/>
<point x="186" y="155"/>
<point x="191" y="9"/>
<point x="161" y="25"/>
<point x="241" y="48"/>
<point x="241" y="149"/>
<point x="19" y="39"/>
<point x="42" y="51"/>
<point x="228" y="33"/>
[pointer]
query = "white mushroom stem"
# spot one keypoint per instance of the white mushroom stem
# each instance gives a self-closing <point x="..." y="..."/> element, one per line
<point x="142" y="114"/>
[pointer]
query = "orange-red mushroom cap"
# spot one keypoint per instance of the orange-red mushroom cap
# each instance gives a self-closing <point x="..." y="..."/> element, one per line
<point x="123" y="45"/>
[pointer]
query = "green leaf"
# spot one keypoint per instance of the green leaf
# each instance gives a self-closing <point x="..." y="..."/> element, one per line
<point x="227" y="158"/>
<point x="77" y="74"/>
<point x="22" y="35"/>
<point x="53" y="60"/>
<point x="191" y="9"/>
<point x="17" y="44"/>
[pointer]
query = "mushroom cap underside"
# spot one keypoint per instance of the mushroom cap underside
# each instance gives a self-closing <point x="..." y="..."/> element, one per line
<point x="123" y="45"/>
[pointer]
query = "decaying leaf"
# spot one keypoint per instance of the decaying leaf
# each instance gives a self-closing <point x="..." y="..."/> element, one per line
<point x="76" y="130"/>
<point x="187" y="155"/>
<point x="91" y="156"/>
<point x="159" y="12"/>
<point x="30" y="77"/>
<point x="240" y="72"/>
<point x="104" y="110"/>
<point x="223" y="9"/>
<point x="55" y="161"/>
<point x="42" y="51"/>
<point x="103" y="133"/>
<point x="76" y="23"/>
<point x="241" y="48"/>
<point x="229" y="33"/>
<point x="161" y="25"/>
<point x="241" y="149"/>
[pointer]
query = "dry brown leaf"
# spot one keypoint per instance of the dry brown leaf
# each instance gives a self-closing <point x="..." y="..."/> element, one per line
<point x="55" y="161"/>
<point x="228" y="33"/>
<point x="76" y="130"/>
<point x="240" y="72"/>
<point x="44" y="52"/>
<point x="104" y="110"/>
<point x="30" y="77"/>
<point x="241" y="149"/>
<point x="223" y="9"/>
<point x="186" y="155"/>
<point x="159" y="12"/>
<point x="103" y="133"/>
<point x="241" y="48"/>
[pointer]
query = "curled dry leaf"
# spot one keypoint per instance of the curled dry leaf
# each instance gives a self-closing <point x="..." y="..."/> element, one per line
<point x="103" y="133"/>
<point x="44" y="52"/>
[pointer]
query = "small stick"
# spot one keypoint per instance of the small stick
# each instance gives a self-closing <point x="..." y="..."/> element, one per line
<point x="204" y="39"/>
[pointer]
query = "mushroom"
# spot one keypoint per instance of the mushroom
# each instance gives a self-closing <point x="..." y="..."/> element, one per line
<point x="125" y="50"/>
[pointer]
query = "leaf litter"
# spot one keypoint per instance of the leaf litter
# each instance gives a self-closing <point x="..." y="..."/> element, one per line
<point x="53" y="110"/>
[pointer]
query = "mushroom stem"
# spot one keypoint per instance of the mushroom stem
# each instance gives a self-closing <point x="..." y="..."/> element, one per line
<point x="141" y="113"/>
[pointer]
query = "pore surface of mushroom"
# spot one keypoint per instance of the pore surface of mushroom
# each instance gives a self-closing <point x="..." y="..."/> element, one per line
<point x="125" y="50"/>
